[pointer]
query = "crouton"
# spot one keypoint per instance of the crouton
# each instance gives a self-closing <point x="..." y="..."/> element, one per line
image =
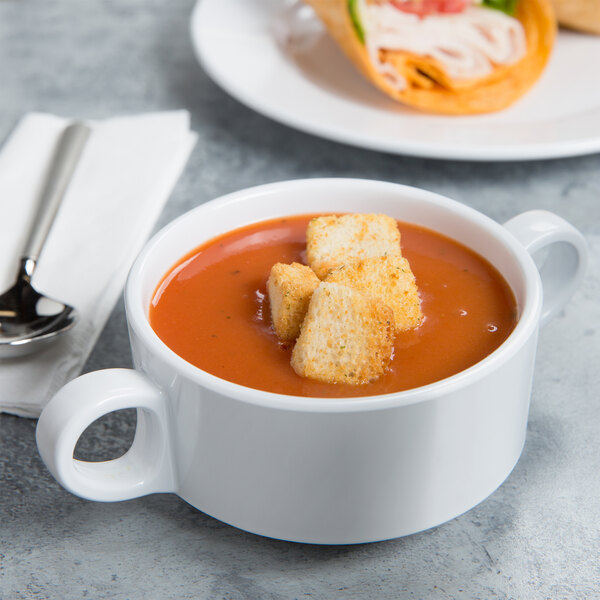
<point x="290" y="288"/>
<point x="346" y="337"/>
<point x="332" y="241"/>
<point x="389" y="278"/>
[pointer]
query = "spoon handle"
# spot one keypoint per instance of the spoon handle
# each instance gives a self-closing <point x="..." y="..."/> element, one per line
<point x="65" y="159"/>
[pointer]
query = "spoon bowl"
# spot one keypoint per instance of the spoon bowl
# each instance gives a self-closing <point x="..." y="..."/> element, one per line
<point x="29" y="319"/>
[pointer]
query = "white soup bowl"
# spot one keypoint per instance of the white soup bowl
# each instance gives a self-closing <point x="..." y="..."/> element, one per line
<point x="326" y="471"/>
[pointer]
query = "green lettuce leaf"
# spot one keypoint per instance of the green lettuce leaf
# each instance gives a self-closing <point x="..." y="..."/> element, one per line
<point x="506" y="6"/>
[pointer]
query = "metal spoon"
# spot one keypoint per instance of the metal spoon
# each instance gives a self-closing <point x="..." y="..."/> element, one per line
<point x="28" y="319"/>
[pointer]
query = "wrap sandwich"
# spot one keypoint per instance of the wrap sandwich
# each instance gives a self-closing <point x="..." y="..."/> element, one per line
<point x="444" y="56"/>
<point x="582" y="15"/>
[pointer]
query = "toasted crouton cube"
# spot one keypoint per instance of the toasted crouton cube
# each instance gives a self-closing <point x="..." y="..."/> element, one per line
<point x="290" y="288"/>
<point x="389" y="278"/>
<point x="346" y="337"/>
<point x="332" y="241"/>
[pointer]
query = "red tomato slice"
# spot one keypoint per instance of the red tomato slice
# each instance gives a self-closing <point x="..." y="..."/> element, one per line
<point x="429" y="7"/>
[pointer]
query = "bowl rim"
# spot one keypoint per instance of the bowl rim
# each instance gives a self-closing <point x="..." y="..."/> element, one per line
<point x="527" y="324"/>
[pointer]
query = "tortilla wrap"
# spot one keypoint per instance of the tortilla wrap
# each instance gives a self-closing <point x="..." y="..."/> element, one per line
<point x="583" y="15"/>
<point x="428" y="87"/>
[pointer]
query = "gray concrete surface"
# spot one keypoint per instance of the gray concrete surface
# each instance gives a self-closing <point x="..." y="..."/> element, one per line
<point x="537" y="536"/>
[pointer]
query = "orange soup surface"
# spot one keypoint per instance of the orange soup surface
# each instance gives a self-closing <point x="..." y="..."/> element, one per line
<point x="212" y="309"/>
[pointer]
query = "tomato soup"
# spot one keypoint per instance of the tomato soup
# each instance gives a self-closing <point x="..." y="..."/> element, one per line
<point x="212" y="310"/>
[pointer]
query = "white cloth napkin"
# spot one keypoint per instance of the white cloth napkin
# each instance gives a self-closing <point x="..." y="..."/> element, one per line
<point x="126" y="173"/>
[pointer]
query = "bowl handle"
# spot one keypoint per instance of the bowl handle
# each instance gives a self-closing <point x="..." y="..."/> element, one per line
<point x="559" y="251"/>
<point x="145" y="468"/>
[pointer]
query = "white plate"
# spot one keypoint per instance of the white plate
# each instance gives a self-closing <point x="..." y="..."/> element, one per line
<point x="318" y="91"/>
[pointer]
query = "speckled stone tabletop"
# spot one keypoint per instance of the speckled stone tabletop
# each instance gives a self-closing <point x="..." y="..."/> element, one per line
<point x="537" y="536"/>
